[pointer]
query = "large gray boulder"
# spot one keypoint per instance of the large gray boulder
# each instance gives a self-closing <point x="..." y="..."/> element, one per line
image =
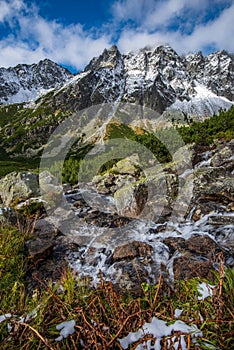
<point x="130" y="199"/>
<point x="16" y="187"/>
<point x="148" y="197"/>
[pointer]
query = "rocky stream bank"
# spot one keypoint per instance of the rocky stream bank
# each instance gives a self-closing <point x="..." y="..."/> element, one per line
<point x="130" y="225"/>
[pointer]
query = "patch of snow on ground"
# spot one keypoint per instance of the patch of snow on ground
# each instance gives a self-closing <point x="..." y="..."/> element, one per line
<point x="66" y="328"/>
<point x="29" y="316"/>
<point x="159" y="329"/>
<point x="178" y="313"/>
<point x="4" y="317"/>
<point x="205" y="290"/>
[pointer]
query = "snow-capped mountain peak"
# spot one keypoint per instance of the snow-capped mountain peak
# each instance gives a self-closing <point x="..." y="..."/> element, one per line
<point x="27" y="82"/>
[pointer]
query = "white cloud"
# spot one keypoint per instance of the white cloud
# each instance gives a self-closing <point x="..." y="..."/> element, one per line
<point x="165" y="11"/>
<point x="132" y="9"/>
<point x="150" y="14"/>
<point x="218" y="32"/>
<point x="8" y="8"/>
<point x="136" y="23"/>
<point x="36" y="38"/>
<point x="131" y="40"/>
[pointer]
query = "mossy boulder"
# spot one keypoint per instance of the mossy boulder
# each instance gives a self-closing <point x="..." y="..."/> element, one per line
<point x="129" y="165"/>
<point x="49" y="183"/>
<point x="147" y="197"/>
<point x="17" y="187"/>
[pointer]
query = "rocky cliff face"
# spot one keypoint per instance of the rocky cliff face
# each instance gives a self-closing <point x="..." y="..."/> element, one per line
<point x="214" y="71"/>
<point x="26" y="82"/>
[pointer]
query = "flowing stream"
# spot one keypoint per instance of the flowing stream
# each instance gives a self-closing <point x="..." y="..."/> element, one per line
<point x="98" y="233"/>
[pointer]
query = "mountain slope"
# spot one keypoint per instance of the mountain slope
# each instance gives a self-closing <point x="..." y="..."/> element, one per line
<point x="26" y="82"/>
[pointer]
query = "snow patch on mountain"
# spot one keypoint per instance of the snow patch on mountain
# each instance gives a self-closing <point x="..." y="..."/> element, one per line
<point x="204" y="103"/>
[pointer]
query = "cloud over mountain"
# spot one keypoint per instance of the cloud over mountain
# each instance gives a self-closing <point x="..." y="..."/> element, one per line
<point x="28" y="36"/>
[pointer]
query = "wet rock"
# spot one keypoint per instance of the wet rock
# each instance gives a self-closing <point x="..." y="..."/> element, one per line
<point x="196" y="245"/>
<point x="163" y="184"/>
<point x="213" y="183"/>
<point x="43" y="228"/>
<point x="130" y="275"/>
<point x="175" y="244"/>
<point x="132" y="250"/>
<point x="16" y="187"/>
<point x="221" y="220"/>
<point x="162" y="189"/>
<point x="149" y="198"/>
<point x="157" y="209"/>
<point x="158" y="229"/>
<point x="222" y="156"/>
<point x="184" y="158"/>
<point x="230" y="207"/>
<point x="203" y="245"/>
<point x="203" y="208"/>
<point x="101" y="219"/>
<point x="39" y="250"/>
<point x="202" y="153"/>
<point x="64" y="220"/>
<point x="186" y="267"/>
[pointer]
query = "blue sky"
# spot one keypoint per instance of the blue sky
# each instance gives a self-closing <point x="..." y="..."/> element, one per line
<point x="72" y="32"/>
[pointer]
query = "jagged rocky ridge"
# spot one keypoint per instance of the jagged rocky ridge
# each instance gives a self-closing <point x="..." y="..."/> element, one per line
<point x="156" y="78"/>
<point x="159" y="79"/>
<point x="27" y="82"/>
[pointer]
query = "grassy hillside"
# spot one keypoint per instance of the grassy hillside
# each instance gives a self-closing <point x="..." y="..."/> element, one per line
<point x="25" y="129"/>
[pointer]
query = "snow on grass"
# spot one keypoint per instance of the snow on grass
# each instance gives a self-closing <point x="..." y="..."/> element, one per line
<point x="31" y="315"/>
<point x="205" y="290"/>
<point x="178" y="313"/>
<point x="4" y="317"/>
<point x="160" y="329"/>
<point x="66" y="328"/>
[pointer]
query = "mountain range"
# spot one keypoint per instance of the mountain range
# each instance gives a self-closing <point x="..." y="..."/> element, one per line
<point x="36" y="98"/>
<point x="157" y="78"/>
